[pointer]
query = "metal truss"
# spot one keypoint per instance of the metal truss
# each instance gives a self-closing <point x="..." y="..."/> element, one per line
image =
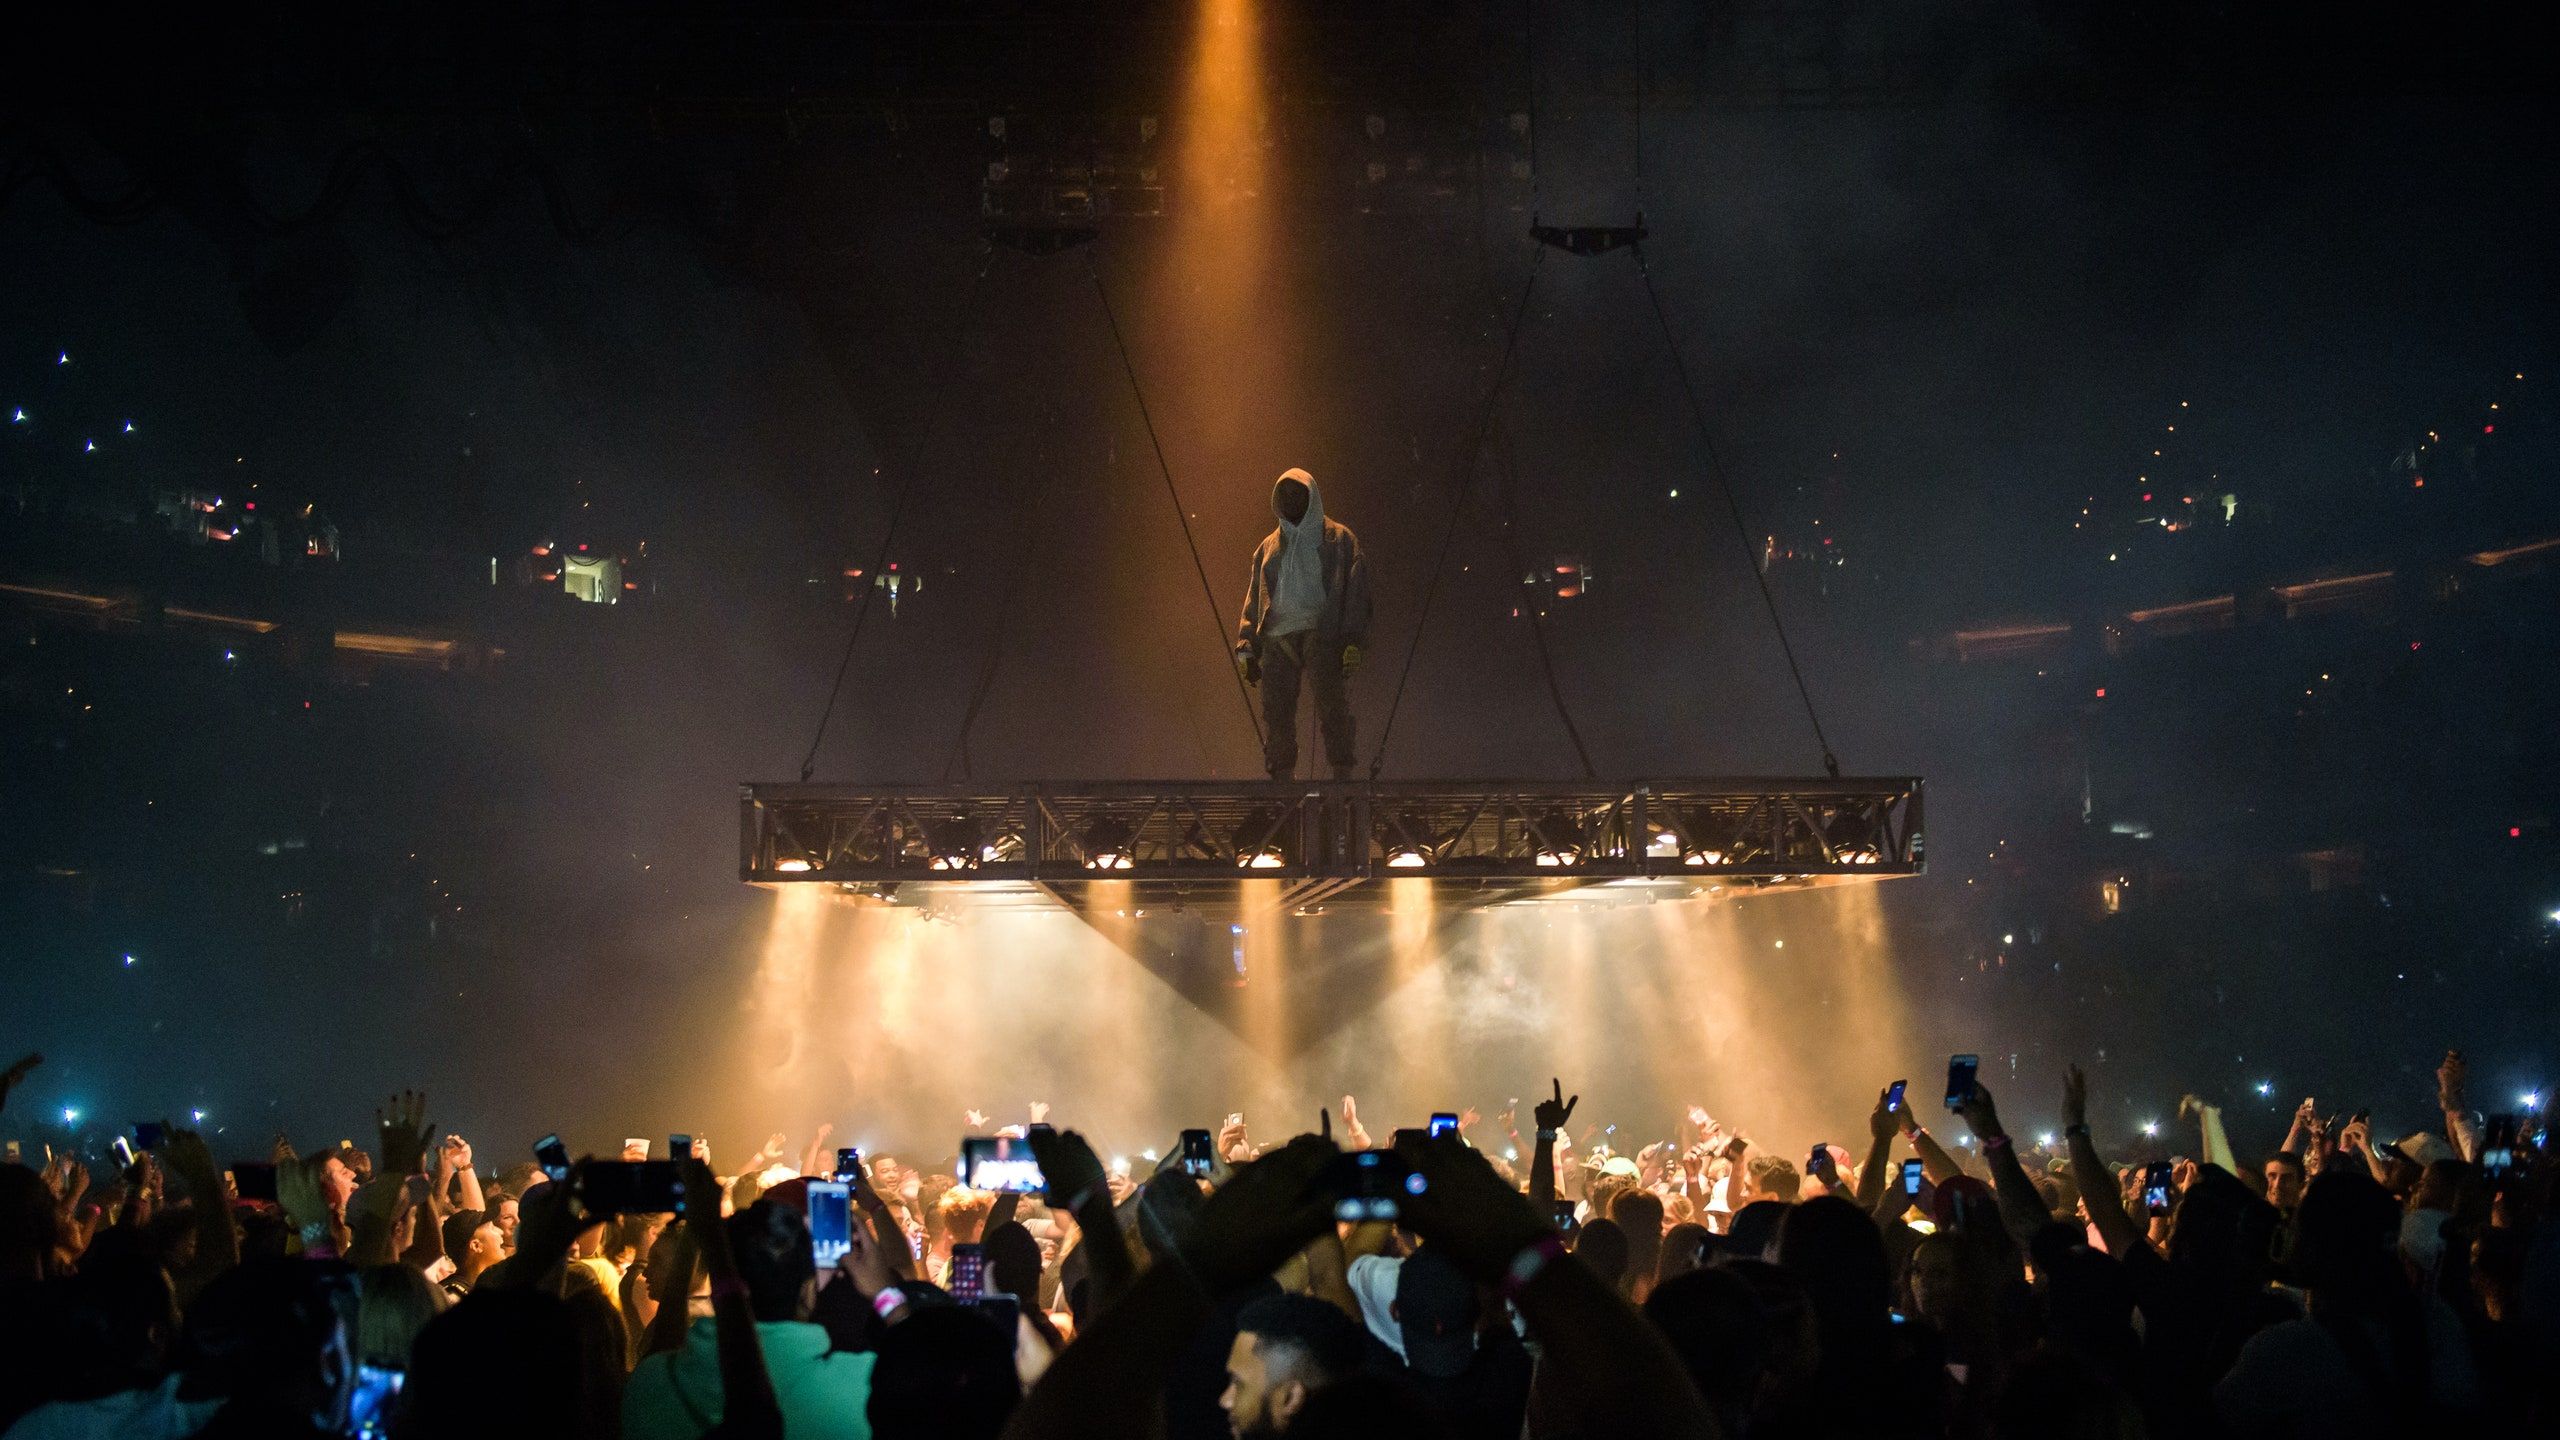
<point x="1315" y="844"/>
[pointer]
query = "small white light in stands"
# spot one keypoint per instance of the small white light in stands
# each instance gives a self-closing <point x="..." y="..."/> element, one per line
<point x="2150" y="1127"/>
<point x="2266" y="1087"/>
<point x="2008" y="939"/>
<point x="70" y="1116"/>
<point x="2045" y="1139"/>
<point x="128" y="960"/>
<point x="2531" y="1100"/>
<point x="199" y="1116"/>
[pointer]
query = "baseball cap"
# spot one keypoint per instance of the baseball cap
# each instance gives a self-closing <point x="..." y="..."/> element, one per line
<point x="1436" y="1310"/>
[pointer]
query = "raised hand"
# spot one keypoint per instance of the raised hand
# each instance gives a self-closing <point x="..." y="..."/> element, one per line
<point x="10" y="1077"/>
<point x="1979" y="1116"/>
<point x="863" y="1264"/>
<point x="1039" y="1112"/>
<point x="2075" y="1096"/>
<point x="1552" y="1114"/>
<point x="2451" y="1077"/>
<point x="1464" y="1205"/>
<point x="1267" y="1212"/>
<point x="1467" y="1119"/>
<point x="1350" y="1113"/>
<point x="1234" y="1146"/>
<point x="456" y="1152"/>
<point x="1883" y="1122"/>
<point x="1071" y="1170"/>
<point x="404" y="1130"/>
<point x="975" y="1119"/>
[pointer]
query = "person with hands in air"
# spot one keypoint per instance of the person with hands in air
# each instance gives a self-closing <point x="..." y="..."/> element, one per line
<point x="1614" y="1370"/>
<point x="764" y="1273"/>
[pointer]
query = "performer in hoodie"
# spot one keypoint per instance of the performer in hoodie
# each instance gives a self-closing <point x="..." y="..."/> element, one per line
<point x="1306" y="617"/>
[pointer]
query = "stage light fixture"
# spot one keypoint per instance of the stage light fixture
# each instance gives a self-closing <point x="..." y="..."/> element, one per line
<point x="1559" y="841"/>
<point x="1259" y="842"/>
<point x="795" y="865"/>
<point x="1712" y="839"/>
<point x="1850" y="836"/>
<point x="1407" y="857"/>
<point x="958" y="843"/>
<point x="1106" y="845"/>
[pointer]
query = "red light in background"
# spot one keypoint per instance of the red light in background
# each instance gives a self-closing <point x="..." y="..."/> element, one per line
<point x="582" y="549"/>
<point x="893" y="564"/>
<point x="2488" y="429"/>
<point x="2102" y="692"/>
<point x="248" y="504"/>
<point x="2146" y="497"/>
<point x="2515" y="832"/>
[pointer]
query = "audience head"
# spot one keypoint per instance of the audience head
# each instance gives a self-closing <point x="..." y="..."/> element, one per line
<point x="1286" y="1348"/>
<point x="946" y="1372"/>
<point x="771" y="1242"/>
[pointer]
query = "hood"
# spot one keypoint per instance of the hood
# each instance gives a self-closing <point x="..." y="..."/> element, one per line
<point x="1314" y="523"/>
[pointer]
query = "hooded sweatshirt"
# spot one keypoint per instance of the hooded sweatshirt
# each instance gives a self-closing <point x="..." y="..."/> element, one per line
<point x="1297" y="601"/>
<point x="1307" y="577"/>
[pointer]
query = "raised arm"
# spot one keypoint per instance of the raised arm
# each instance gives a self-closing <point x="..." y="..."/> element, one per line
<point x="217" y="1236"/>
<point x="1078" y="1187"/>
<point x="2452" y="1078"/>
<point x="1882" y="1124"/>
<point x="1551" y="1116"/>
<point x="2021" y="1205"/>
<point x="748" y="1409"/>
<point x="2098" y="1192"/>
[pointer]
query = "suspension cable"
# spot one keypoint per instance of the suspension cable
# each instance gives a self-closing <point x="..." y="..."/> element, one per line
<point x="1733" y="508"/>
<point x="1537" y="614"/>
<point x="938" y="402"/>
<point x="1217" y="620"/>
<point x="1458" y="503"/>
<point x="1004" y="610"/>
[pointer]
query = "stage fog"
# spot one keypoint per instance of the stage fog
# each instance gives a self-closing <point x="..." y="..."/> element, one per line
<point x="890" y="1023"/>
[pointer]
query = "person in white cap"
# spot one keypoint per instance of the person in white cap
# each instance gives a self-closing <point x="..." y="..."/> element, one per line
<point x="1306" y="617"/>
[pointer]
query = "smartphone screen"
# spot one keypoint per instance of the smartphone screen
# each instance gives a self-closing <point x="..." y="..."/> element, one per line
<point x="376" y="1395"/>
<point x="968" y="1273"/>
<point x="1813" y="1162"/>
<point x="680" y="1147"/>
<point x="1370" y="1185"/>
<point x="830" y="1221"/>
<point x="1913" y="1172"/>
<point x="1567" y="1217"/>
<point x="553" y="1157"/>
<point x="633" y="1187"/>
<point x="2498" y="1151"/>
<point x="2157" y="1178"/>
<point x="1000" y="1163"/>
<point x="1444" y="1123"/>
<point x="1960" y="1072"/>
<point x="1199" y="1153"/>
<point x="848" y="1164"/>
<point x="123" y="1149"/>
<point x="1893" y="1097"/>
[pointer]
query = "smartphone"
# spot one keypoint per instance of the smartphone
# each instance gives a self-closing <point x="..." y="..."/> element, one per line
<point x="633" y="1187"/>
<point x="440" y="1269"/>
<point x="1444" y="1123"/>
<point x="1000" y="1163"/>
<point x="553" y="1157"/>
<point x="1199" y="1153"/>
<point x="1568" y="1219"/>
<point x="1813" y="1162"/>
<point x="254" y="1180"/>
<point x="1960" y="1072"/>
<point x="848" y="1164"/>
<point x="1913" y="1172"/>
<point x="2157" y="1178"/>
<point x="2498" y="1151"/>
<point x="1370" y="1185"/>
<point x="147" y="1134"/>
<point x="680" y="1147"/>
<point x="376" y="1396"/>
<point x="830" y="1222"/>
<point x="123" y="1149"/>
<point x="968" y="1273"/>
<point x="1893" y="1097"/>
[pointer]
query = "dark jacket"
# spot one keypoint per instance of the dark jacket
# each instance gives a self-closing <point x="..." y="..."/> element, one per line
<point x="1345" y="619"/>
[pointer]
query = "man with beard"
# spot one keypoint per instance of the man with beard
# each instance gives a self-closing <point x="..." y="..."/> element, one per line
<point x="1286" y="1348"/>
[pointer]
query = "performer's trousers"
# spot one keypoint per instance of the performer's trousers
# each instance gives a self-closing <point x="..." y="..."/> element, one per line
<point x="1286" y="658"/>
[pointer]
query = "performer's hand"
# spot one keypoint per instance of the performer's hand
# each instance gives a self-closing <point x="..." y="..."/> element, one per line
<point x="1251" y="665"/>
<point x="1351" y="658"/>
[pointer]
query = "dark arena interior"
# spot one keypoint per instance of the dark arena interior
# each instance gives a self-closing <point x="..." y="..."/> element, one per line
<point x="1254" y="582"/>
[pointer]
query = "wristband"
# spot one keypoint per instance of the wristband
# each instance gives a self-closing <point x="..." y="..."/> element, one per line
<point x="889" y="1298"/>
<point x="1995" y="1142"/>
<point x="1526" y="1266"/>
<point x="1546" y="1134"/>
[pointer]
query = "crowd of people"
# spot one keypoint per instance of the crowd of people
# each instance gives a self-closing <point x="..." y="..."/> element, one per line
<point x="1501" y="1280"/>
